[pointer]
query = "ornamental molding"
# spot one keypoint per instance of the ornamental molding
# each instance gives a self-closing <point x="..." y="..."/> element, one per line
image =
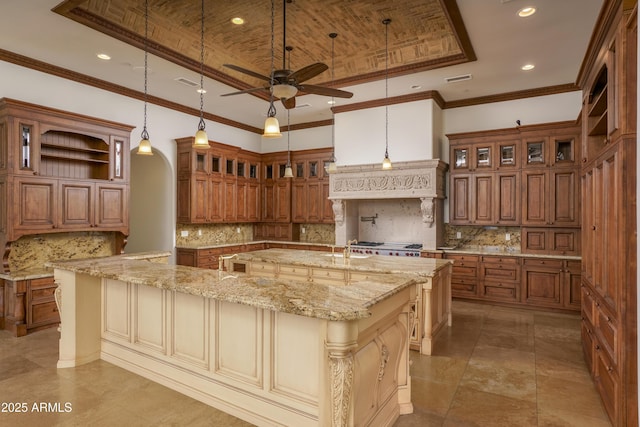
<point x="420" y="179"/>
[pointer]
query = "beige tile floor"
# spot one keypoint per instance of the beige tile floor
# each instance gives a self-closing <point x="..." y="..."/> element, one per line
<point x="494" y="367"/>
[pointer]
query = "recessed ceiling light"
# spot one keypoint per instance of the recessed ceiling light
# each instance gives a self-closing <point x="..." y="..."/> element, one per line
<point x="103" y="56"/>
<point x="237" y="20"/>
<point x="526" y="11"/>
<point x="201" y="90"/>
<point x="528" y="67"/>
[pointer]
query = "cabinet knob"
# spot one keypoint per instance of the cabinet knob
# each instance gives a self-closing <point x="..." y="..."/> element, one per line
<point x="597" y="347"/>
<point x="608" y="319"/>
<point x="593" y="227"/>
<point x="610" y="368"/>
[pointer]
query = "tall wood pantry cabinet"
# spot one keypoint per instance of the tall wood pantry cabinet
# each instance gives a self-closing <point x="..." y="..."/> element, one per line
<point x="61" y="172"/>
<point x="609" y="256"/>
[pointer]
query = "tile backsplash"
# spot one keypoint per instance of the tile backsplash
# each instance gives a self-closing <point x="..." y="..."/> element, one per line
<point x="473" y="237"/>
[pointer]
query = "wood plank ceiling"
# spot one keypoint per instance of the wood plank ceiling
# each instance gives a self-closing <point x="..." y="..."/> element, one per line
<point x="428" y="34"/>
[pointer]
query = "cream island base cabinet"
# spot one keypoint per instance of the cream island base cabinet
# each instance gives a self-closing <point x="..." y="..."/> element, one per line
<point x="266" y="366"/>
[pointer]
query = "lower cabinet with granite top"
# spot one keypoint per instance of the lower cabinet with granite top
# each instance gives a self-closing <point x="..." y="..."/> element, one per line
<point x="28" y="305"/>
<point x="523" y="280"/>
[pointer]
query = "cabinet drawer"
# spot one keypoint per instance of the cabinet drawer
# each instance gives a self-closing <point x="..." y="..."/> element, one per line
<point x="464" y="269"/>
<point x="44" y="313"/>
<point x="606" y="378"/>
<point x="290" y="271"/>
<point x="464" y="288"/>
<point x="588" y="304"/>
<point x="588" y="343"/>
<point x="257" y="268"/>
<point x="510" y="260"/>
<point x="499" y="291"/>
<point x="357" y="277"/>
<point x="552" y="264"/>
<point x="501" y="271"/>
<point x="44" y="282"/>
<point x="607" y="334"/>
<point x="467" y="258"/>
<point x="42" y="293"/>
<point x="327" y="274"/>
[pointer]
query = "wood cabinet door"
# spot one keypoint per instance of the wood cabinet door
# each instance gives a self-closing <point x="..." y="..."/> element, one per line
<point x="314" y="205"/>
<point x="186" y="257"/>
<point x="112" y="211"/>
<point x="508" y="198"/>
<point x="564" y="199"/>
<point x="36" y="201"/>
<point x="460" y="212"/>
<point x="253" y="202"/>
<point x="482" y="199"/>
<point x="327" y="204"/>
<point x="269" y="201"/>
<point x="199" y="200"/>
<point x="230" y="200"/>
<point x="535" y="197"/>
<point x="541" y="283"/>
<point x="283" y="201"/>
<point x="183" y="208"/>
<point x="77" y="204"/>
<point x="572" y="285"/>
<point x="299" y="201"/>
<point x="214" y="209"/>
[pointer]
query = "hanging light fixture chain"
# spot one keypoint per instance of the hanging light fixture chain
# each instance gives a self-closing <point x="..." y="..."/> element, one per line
<point x="201" y="124"/>
<point x="333" y="117"/>
<point x="145" y="134"/>
<point x="386" y="22"/>
<point x="271" y="112"/>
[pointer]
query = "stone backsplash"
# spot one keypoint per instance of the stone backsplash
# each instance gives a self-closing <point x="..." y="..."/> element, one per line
<point x="34" y="250"/>
<point x="223" y="234"/>
<point x="474" y="237"/>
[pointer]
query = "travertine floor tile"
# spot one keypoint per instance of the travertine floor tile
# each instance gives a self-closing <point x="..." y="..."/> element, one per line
<point x="494" y="367"/>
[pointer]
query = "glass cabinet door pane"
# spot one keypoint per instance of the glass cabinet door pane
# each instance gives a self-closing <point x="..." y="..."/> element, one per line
<point x="240" y="169"/>
<point x="507" y="155"/>
<point x="25" y="156"/>
<point x="230" y="167"/>
<point x="564" y="150"/>
<point x="215" y="164"/>
<point x="269" y="171"/>
<point x="253" y="171"/>
<point x="535" y="152"/>
<point x="299" y="170"/>
<point x="200" y="160"/>
<point x="313" y="169"/>
<point x="461" y="158"/>
<point x="483" y="156"/>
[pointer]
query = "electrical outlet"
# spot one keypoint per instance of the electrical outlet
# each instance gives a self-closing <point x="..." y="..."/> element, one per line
<point x="238" y="230"/>
<point x="184" y="233"/>
<point x="199" y="232"/>
<point x="458" y="235"/>
<point x="507" y="237"/>
<point x="303" y="230"/>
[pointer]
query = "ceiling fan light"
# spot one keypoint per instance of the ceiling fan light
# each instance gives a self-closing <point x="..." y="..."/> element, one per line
<point x="201" y="139"/>
<point x="271" y="128"/>
<point x="283" y="91"/>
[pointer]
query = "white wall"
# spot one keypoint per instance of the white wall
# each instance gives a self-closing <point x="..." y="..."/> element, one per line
<point x="304" y="139"/>
<point x="360" y="134"/>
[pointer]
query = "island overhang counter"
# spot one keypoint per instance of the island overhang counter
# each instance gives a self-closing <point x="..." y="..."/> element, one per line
<point x="271" y="351"/>
<point x="431" y="308"/>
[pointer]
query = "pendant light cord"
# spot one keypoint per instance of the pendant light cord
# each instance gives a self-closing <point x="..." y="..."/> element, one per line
<point x="201" y="123"/>
<point x="145" y="134"/>
<point x="271" y="112"/>
<point x="333" y="117"/>
<point x="386" y="22"/>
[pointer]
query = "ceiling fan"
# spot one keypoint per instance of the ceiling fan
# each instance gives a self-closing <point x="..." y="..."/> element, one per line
<point x="284" y="84"/>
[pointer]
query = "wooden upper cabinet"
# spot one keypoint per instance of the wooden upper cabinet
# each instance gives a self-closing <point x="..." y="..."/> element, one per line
<point x="67" y="171"/>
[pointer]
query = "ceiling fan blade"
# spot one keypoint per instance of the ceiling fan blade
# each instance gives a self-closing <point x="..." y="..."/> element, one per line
<point x="253" y="89"/>
<point x="248" y="72"/>
<point x="326" y="91"/>
<point x="308" y="72"/>
<point x="289" y="103"/>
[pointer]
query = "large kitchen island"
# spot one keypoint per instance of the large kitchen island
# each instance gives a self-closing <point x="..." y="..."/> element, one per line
<point x="272" y="351"/>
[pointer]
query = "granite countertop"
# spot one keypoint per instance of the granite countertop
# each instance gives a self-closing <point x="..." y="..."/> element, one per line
<point x="499" y="251"/>
<point x="252" y="242"/>
<point x="331" y="302"/>
<point x="45" y="271"/>
<point x="423" y="267"/>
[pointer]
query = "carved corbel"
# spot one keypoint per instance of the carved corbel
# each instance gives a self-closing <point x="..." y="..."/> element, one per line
<point x="341" y="386"/>
<point x="338" y="211"/>
<point x="427" y="206"/>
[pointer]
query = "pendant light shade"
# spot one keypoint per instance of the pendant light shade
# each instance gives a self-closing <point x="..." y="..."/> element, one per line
<point x="271" y="124"/>
<point x="201" y="139"/>
<point x="386" y="163"/>
<point x="144" y="147"/>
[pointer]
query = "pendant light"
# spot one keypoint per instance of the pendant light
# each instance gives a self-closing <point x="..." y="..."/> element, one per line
<point x="144" y="147"/>
<point x="271" y="125"/>
<point x="386" y="163"/>
<point x="201" y="139"/>
<point x="331" y="167"/>
<point x="288" y="172"/>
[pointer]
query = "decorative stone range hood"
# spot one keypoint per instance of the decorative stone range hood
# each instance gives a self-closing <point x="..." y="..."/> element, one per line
<point x="423" y="180"/>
